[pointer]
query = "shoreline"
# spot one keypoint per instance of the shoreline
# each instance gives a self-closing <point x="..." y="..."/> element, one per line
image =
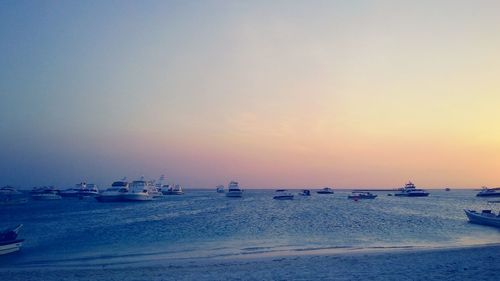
<point x="477" y="262"/>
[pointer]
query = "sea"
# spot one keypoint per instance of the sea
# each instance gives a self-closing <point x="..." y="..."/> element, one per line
<point x="203" y="224"/>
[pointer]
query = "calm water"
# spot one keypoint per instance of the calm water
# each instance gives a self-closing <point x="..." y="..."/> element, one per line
<point x="203" y="224"/>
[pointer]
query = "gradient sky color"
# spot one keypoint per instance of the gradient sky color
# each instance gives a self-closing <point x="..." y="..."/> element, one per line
<point x="270" y="93"/>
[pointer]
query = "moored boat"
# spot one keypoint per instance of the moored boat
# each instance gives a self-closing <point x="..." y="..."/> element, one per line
<point x="47" y="194"/>
<point x="233" y="190"/>
<point x="75" y="191"/>
<point x="489" y="192"/>
<point x="409" y="190"/>
<point x="220" y="189"/>
<point x="10" y="196"/>
<point x="486" y="217"/>
<point x="114" y="193"/>
<point x="305" y="192"/>
<point x="140" y="190"/>
<point x="356" y="195"/>
<point x="173" y="190"/>
<point x="283" y="194"/>
<point x="9" y="242"/>
<point x="325" y="190"/>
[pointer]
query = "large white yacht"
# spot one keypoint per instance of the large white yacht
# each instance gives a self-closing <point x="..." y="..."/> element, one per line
<point x="489" y="192"/>
<point x="409" y="190"/>
<point x="140" y="190"/>
<point x="115" y="192"/>
<point x="233" y="190"/>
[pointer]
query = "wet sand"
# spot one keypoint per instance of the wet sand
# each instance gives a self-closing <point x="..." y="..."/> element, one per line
<point x="466" y="263"/>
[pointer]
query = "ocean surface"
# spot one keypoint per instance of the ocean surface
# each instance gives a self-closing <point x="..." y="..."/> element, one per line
<point x="204" y="224"/>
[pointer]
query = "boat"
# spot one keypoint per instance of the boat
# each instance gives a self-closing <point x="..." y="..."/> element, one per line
<point x="489" y="192"/>
<point x="90" y="190"/>
<point x="325" y="190"/>
<point x="140" y="190"/>
<point x="220" y="189"/>
<point x="305" y="192"/>
<point x="356" y="195"/>
<point x="283" y="194"/>
<point x="409" y="190"/>
<point x="173" y="190"/>
<point x="114" y="193"/>
<point x="75" y="191"/>
<point x="233" y="190"/>
<point x="10" y="196"/>
<point x="447" y="189"/>
<point x="486" y="217"/>
<point x="48" y="193"/>
<point x="9" y="242"/>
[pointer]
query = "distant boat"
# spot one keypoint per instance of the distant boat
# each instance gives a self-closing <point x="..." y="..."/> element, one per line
<point x="325" y="190"/>
<point x="356" y="195"/>
<point x="489" y="192"/>
<point x="90" y="190"/>
<point x="114" y="193"/>
<point x="409" y="190"/>
<point x="173" y="190"/>
<point x="46" y="194"/>
<point x="447" y="189"/>
<point x="282" y="194"/>
<point x="140" y="190"/>
<point x="305" y="192"/>
<point x="233" y="190"/>
<point x="220" y="189"/>
<point x="486" y="217"/>
<point x="9" y="242"/>
<point x="10" y="196"/>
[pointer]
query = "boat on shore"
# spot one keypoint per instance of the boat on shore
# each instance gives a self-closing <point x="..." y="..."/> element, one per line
<point x="173" y="190"/>
<point x="489" y="192"/>
<point x="409" y="190"/>
<point x="325" y="190"/>
<point x="283" y="194"/>
<point x="486" y="217"/>
<point x="115" y="193"/>
<point x="233" y="190"/>
<point x="356" y="195"/>
<point x="9" y="242"/>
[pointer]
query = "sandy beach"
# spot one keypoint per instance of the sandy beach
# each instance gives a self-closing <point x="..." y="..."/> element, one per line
<point x="465" y="263"/>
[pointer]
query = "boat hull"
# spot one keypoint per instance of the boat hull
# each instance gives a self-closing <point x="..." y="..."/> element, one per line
<point x="286" y="197"/>
<point x="131" y="197"/>
<point x="10" y="247"/>
<point x="46" y="198"/>
<point x="496" y="194"/>
<point x="324" y="192"/>
<point x="477" y="218"/>
<point x="234" y="194"/>
<point x="412" y="195"/>
<point x="173" y="193"/>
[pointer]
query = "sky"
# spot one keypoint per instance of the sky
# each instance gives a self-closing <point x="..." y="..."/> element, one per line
<point x="268" y="93"/>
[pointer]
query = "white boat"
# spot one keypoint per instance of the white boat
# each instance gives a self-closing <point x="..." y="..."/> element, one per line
<point x="47" y="194"/>
<point x="220" y="189"/>
<point x="9" y="242"/>
<point x="233" y="190"/>
<point x="114" y="193"/>
<point x="356" y="195"/>
<point x="140" y="190"/>
<point x="489" y="192"/>
<point x="173" y="190"/>
<point x="305" y="192"/>
<point x="325" y="190"/>
<point x="90" y="190"/>
<point x="10" y="196"/>
<point x="282" y="194"/>
<point x="75" y="191"/>
<point x="486" y="217"/>
<point x="409" y="190"/>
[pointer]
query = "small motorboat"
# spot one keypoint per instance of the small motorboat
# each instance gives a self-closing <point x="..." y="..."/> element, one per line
<point x="283" y="194"/>
<point x="305" y="192"/>
<point x="9" y="242"/>
<point x="47" y="194"/>
<point x="325" y="190"/>
<point x="486" y="217"/>
<point x="489" y="192"/>
<point x="409" y="190"/>
<point x="356" y="195"/>
<point x="447" y="189"/>
<point x="220" y="189"/>
<point x="173" y="190"/>
<point x="233" y="190"/>
<point x="10" y="196"/>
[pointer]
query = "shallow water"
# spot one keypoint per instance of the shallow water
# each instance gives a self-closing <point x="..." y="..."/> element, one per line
<point x="201" y="224"/>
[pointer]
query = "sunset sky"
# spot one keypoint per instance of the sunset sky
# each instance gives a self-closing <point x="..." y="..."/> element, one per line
<point x="269" y="93"/>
